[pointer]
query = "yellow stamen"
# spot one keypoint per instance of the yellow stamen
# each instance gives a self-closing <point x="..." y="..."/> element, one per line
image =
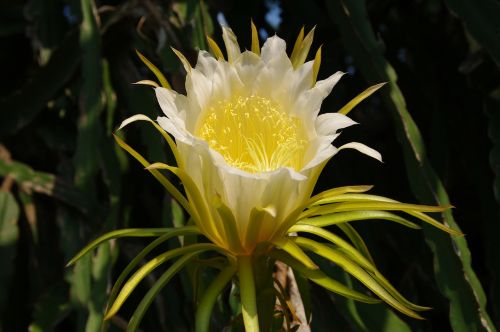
<point x="253" y="134"/>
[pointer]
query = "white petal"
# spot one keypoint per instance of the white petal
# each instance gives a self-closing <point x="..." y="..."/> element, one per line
<point x="206" y="63"/>
<point x="248" y="66"/>
<point x="272" y="48"/>
<point x="326" y="85"/>
<point x="318" y="152"/>
<point x="174" y="127"/>
<point x="309" y="102"/>
<point x="225" y="81"/>
<point x="295" y="83"/>
<point x="327" y="124"/>
<point x="363" y="149"/>
<point x="232" y="47"/>
<point x="133" y="118"/>
<point x="199" y="91"/>
<point x="167" y="100"/>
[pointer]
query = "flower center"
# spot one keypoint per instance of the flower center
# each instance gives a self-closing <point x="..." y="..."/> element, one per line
<point x="253" y="134"/>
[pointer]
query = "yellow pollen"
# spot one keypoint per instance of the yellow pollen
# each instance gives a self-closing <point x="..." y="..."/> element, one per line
<point x="253" y="134"/>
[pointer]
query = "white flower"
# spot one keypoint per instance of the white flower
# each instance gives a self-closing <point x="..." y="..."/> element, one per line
<point x="249" y="136"/>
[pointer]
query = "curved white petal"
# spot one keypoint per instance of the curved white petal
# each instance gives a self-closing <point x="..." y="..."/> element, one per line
<point x="319" y="151"/>
<point x="327" y="124"/>
<point x="326" y="85"/>
<point x="363" y="149"/>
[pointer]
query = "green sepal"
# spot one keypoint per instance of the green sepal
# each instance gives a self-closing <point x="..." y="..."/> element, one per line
<point x="163" y="81"/>
<point x="160" y="177"/>
<point x="131" y="232"/>
<point x="357" y="240"/>
<point x="139" y="312"/>
<point x="147" y="268"/>
<point x="321" y="279"/>
<point x="345" y="217"/>
<point x="295" y="251"/>
<point x="301" y="48"/>
<point x="359" y="98"/>
<point x="361" y="257"/>
<point x="207" y="302"/>
<point x="229" y="223"/>
<point x="369" y="205"/>
<point x="359" y="273"/>
<point x="142" y="254"/>
<point x="361" y="198"/>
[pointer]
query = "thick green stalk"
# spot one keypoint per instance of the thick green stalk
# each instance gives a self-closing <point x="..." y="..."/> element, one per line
<point x="247" y="293"/>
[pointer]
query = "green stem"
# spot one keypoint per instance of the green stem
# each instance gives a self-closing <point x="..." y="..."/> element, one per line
<point x="247" y="293"/>
<point x="210" y="297"/>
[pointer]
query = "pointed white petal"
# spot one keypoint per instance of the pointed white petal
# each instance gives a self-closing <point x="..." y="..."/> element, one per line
<point x="199" y="91"/>
<point x="326" y="85"/>
<point x="206" y="63"/>
<point x="327" y="124"/>
<point x="166" y="99"/>
<point x="274" y="47"/>
<point x="363" y="149"/>
<point x="133" y="118"/>
<point x="232" y="47"/>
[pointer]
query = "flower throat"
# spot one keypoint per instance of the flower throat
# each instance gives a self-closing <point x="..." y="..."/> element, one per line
<point x="253" y="134"/>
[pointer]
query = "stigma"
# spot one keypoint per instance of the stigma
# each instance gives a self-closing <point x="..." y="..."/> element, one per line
<point x="253" y="133"/>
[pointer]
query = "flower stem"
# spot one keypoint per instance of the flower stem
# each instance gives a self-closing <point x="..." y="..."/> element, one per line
<point x="247" y="293"/>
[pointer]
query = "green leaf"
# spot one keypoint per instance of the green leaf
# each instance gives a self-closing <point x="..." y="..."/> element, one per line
<point x="9" y="234"/>
<point x="44" y="183"/>
<point x="492" y="227"/>
<point x="21" y="108"/>
<point x="110" y="97"/>
<point x="9" y="214"/>
<point x="481" y="21"/>
<point x="202" y="23"/>
<point x="50" y="308"/>
<point x="454" y="274"/>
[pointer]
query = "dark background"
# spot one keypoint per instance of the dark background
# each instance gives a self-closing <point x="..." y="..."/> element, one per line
<point x="66" y="72"/>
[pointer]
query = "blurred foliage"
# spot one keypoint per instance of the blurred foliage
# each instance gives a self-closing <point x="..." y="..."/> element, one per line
<point x="68" y="66"/>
